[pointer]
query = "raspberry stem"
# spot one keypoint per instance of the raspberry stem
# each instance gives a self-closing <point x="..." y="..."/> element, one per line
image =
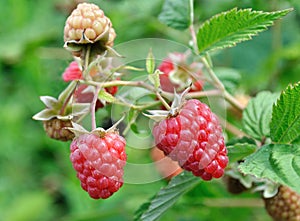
<point x="86" y="61"/>
<point x="149" y="87"/>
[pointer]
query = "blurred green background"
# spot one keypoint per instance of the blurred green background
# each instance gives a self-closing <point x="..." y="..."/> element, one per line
<point x="37" y="181"/>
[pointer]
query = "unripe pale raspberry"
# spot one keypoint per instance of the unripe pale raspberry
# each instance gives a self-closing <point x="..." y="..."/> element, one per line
<point x="54" y="128"/>
<point x="194" y="139"/>
<point x="99" y="162"/>
<point x="88" y="24"/>
<point x="284" y="206"/>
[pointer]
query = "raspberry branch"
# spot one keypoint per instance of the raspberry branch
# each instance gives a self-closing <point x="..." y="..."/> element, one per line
<point x="142" y="84"/>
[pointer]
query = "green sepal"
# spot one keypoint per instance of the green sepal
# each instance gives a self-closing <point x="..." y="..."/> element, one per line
<point x="154" y="78"/>
<point x="104" y="96"/>
<point x="150" y="62"/>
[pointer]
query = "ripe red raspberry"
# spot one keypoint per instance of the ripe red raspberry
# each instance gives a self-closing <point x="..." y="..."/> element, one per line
<point x="284" y="206"/>
<point x="54" y="128"/>
<point x="194" y="138"/>
<point x="88" y="24"/>
<point x="99" y="162"/>
<point x="72" y="72"/>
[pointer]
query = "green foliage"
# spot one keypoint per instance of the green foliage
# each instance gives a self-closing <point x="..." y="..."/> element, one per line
<point x="231" y="27"/>
<point x="105" y="96"/>
<point x="239" y="151"/>
<point x="277" y="162"/>
<point x="257" y="115"/>
<point x="176" y="14"/>
<point x="167" y="196"/>
<point x="285" y="124"/>
<point x="154" y="78"/>
<point x="29" y="207"/>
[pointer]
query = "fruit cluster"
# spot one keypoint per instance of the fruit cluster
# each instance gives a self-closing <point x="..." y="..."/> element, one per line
<point x="191" y="135"/>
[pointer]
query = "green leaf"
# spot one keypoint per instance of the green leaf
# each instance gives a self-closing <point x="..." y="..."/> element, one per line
<point x="105" y="96"/>
<point x="285" y="123"/>
<point x="175" y="14"/>
<point x="134" y="128"/>
<point x="239" y="151"/>
<point x="231" y="27"/>
<point x="150" y="62"/>
<point x="237" y="140"/>
<point x="167" y="196"/>
<point x="257" y="115"/>
<point x="277" y="162"/>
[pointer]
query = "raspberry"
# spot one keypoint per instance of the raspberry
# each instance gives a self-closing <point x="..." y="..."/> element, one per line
<point x="194" y="139"/>
<point x="99" y="162"/>
<point x="88" y="24"/>
<point x="284" y="206"/>
<point x="72" y="72"/>
<point x="54" y="128"/>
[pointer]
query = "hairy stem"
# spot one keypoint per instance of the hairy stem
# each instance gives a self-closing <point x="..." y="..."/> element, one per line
<point x="149" y="87"/>
<point x="166" y="105"/>
<point x="86" y="61"/>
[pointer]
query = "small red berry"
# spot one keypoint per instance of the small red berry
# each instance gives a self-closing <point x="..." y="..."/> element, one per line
<point x="194" y="139"/>
<point x="99" y="162"/>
